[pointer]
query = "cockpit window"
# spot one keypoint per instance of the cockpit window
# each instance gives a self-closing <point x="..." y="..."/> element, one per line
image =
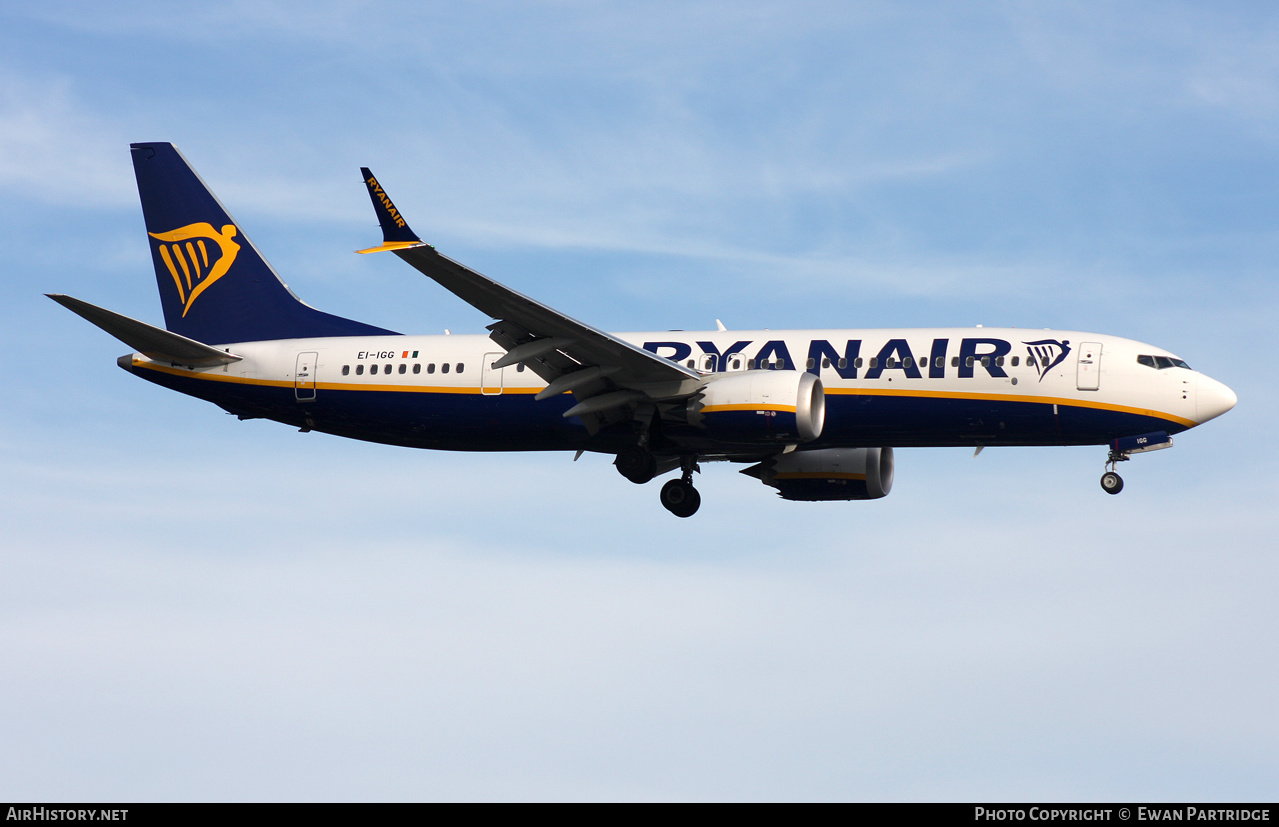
<point x="1161" y="362"/>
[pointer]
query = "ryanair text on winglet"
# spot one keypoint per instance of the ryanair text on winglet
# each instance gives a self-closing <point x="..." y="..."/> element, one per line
<point x="381" y="195"/>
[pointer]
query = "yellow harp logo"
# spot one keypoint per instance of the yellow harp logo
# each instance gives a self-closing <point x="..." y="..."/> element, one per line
<point x="186" y="252"/>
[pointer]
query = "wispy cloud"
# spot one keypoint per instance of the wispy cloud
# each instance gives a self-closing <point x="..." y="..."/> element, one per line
<point x="54" y="148"/>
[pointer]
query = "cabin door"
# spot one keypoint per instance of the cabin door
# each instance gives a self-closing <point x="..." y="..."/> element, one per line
<point x="1088" y="371"/>
<point x="490" y="378"/>
<point x="304" y="377"/>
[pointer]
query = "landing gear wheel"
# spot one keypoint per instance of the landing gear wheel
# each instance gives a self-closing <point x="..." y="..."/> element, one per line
<point x="680" y="498"/>
<point x="636" y="464"/>
<point x="1112" y="483"/>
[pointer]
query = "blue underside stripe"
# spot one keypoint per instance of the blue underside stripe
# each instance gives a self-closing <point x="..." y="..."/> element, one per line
<point x="515" y="421"/>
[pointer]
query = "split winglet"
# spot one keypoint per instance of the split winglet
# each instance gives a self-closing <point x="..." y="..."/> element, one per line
<point x="396" y="234"/>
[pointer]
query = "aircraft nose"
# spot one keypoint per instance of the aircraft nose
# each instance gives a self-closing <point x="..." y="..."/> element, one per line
<point x="1213" y="398"/>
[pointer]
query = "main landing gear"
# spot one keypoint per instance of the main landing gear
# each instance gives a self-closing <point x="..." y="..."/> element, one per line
<point x="639" y="465"/>
<point x="679" y="496"/>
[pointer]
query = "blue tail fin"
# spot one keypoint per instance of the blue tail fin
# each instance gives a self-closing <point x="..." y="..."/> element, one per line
<point x="214" y="284"/>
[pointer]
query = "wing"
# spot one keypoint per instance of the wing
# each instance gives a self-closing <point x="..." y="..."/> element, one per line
<point x="609" y="378"/>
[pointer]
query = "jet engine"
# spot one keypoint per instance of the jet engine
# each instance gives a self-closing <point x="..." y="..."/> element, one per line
<point x="828" y="474"/>
<point x="756" y="406"/>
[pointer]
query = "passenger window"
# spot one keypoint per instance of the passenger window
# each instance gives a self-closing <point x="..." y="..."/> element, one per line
<point x="750" y="364"/>
<point x="386" y="369"/>
<point x="430" y="368"/>
<point x="519" y="368"/>
<point x="417" y="368"/>
<point x="372" y="369"/>
<point x="890" y="362"/>
<point x="1015" y="360"/>
<point x="460" y="367"/>
<point x="444" y="368"/>
<point x="908" y="362"/>
<point x="359" y="370"/>
<point x="403" y="367"/>
<point x="985" y="361"/>
<point x="968" y="362"/>
<point x="856" y="364"/>
<point x="954" y="361"/>
<point x="826" y="363"/>
<point x="874" y="360"/>
<point x="812" y="363"/>
<point x="346" y="369"/>
<point x="941" y="362"/>
<point x="690" y="363"/>
<point x="843" y="363"/>
<point x="999" y="360"/>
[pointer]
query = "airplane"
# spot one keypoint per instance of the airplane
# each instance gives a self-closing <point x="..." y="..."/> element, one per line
<point x="814" y="414"/>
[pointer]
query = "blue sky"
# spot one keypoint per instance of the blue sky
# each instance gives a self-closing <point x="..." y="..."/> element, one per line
<point x="197" y="608"/>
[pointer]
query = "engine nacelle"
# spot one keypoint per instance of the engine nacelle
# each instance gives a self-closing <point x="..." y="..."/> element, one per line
<point x="775" y="406"/>
<point x="829" y="474"/>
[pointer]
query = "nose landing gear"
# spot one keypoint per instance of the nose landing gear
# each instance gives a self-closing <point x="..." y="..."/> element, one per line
<point x="679" y="496"/>
<point x="1111" y="482"/>
<point x="1122" y="449"/>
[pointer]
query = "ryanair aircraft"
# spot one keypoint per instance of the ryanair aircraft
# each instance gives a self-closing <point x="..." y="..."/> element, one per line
<point x="814" y="414"/>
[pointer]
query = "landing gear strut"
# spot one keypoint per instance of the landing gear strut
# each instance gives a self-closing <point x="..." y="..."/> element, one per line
<point x="679" y="496"/>
<point x="1111" y="482"/>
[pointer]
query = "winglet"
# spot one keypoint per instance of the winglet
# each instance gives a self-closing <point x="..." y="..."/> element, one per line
<point x="396" y="234"/>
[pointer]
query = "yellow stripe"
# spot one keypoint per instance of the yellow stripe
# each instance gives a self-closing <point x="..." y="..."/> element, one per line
<point x="818" y="475"/>
<point x="748" y="407"/>
<point x="1014" y="397"/>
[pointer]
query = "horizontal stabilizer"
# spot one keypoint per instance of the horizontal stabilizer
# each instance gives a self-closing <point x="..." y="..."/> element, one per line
<point x="396" y="233"/>
<point x="150" y="341"/>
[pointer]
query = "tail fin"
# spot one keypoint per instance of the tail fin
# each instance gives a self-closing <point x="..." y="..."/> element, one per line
<point x="214" y="285"/>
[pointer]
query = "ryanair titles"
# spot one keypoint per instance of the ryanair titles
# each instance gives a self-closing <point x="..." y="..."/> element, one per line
<point x="380" y="195"/>
<point x="855" y="360"/>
